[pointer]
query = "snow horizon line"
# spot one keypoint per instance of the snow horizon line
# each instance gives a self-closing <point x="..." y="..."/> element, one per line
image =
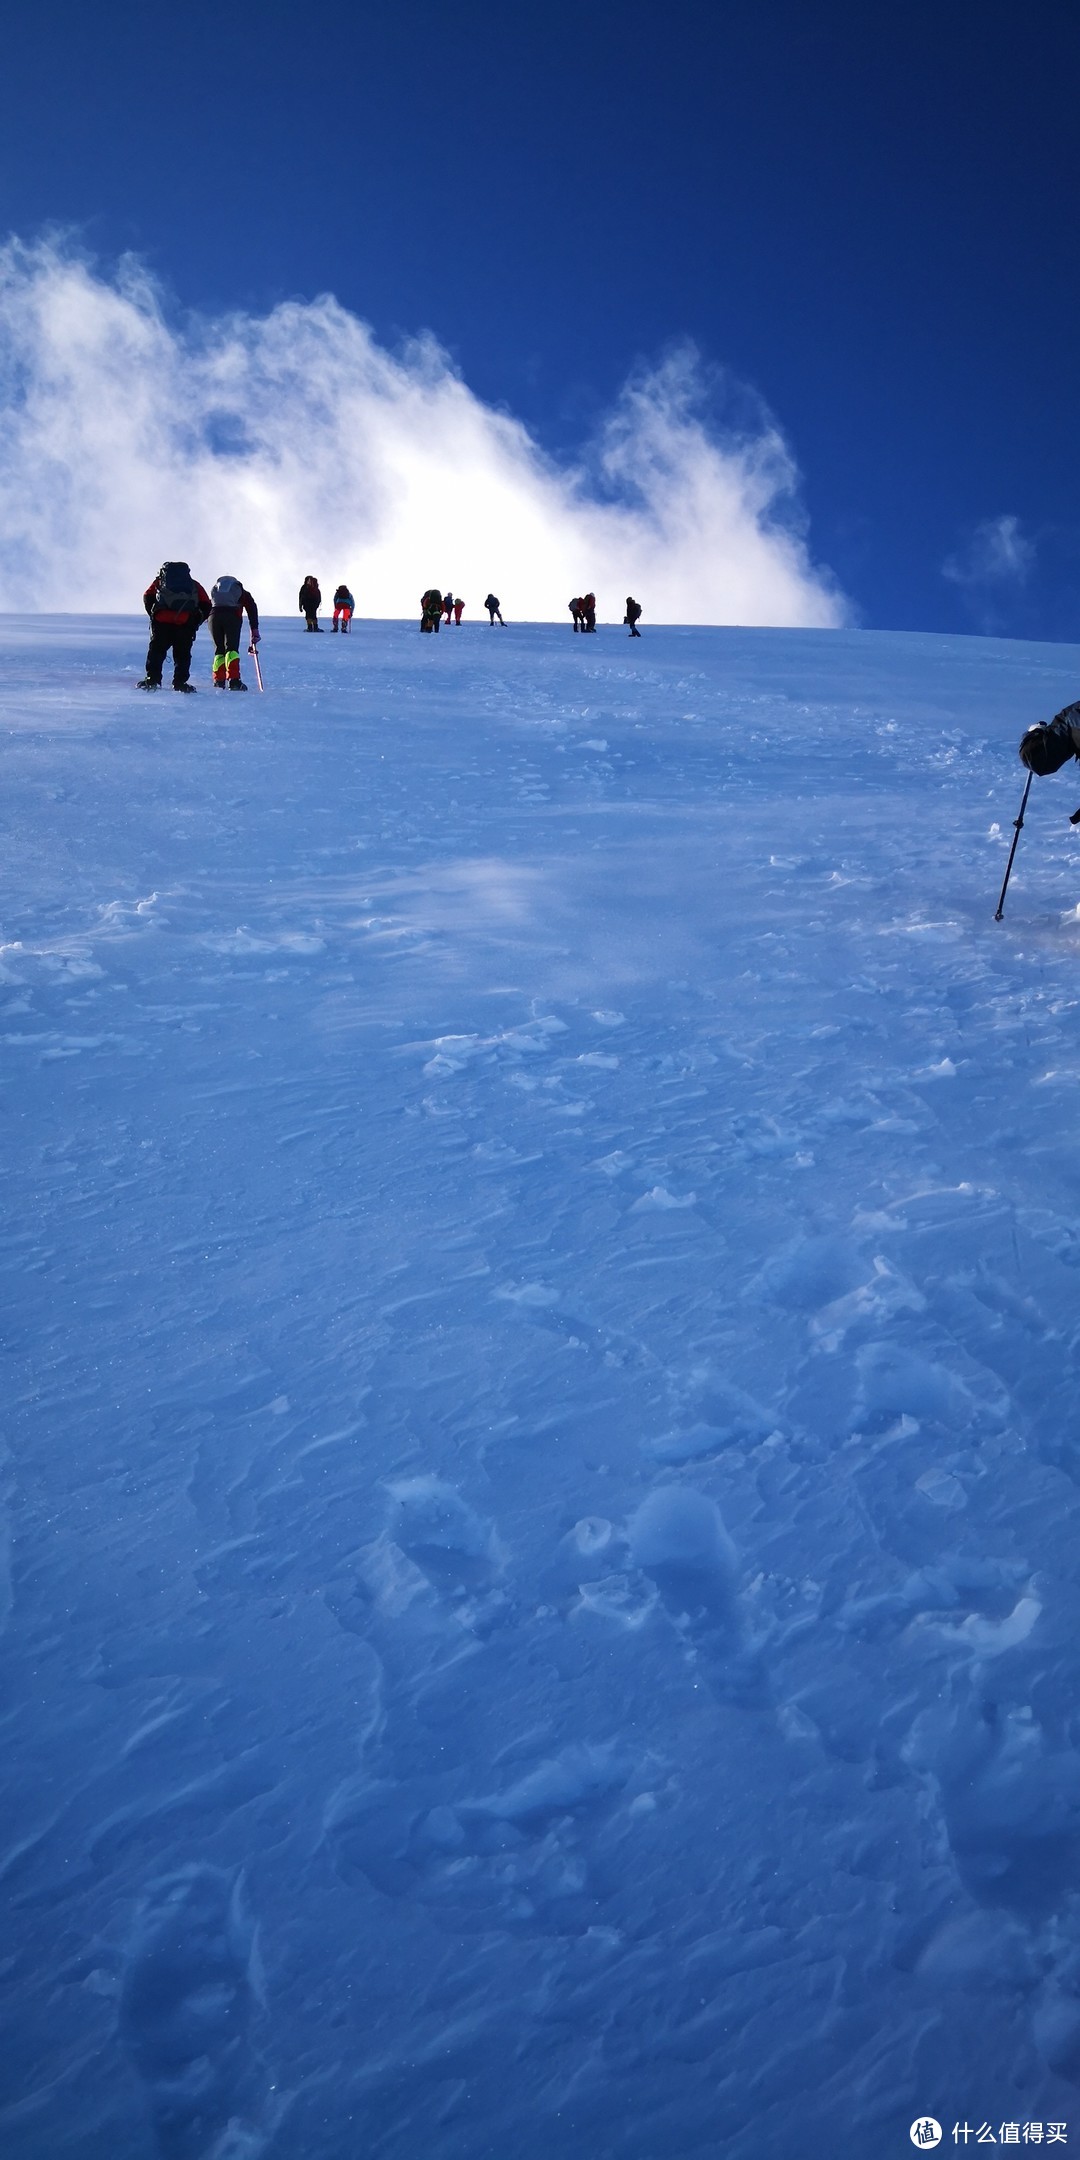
<point x="137" y="617"/>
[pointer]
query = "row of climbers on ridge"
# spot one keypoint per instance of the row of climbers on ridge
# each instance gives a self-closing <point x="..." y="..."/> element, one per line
<point x="177" y="604"/>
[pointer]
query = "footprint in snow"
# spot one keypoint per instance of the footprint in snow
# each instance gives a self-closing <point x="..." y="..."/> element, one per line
<point x="427" y="1588"/>
<point x="188" y="2000"/>
<point x="1010" y="1799"/>
<point x="894" y="1383"/>
<point x="521" y="1859"/>
<point x="678" y="1540"/>
<point x="810" y="1273"/>
<point x="446" y="1539"/>
<point x="712" y="1414"/>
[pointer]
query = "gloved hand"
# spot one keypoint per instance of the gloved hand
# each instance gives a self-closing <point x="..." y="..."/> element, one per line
<point x="1045" y="750"/>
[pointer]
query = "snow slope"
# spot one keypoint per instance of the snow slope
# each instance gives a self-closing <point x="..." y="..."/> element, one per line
<point x="540" y="1511"/>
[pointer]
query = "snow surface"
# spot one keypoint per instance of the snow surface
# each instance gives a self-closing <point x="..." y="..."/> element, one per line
<point x="540" y="1587"/>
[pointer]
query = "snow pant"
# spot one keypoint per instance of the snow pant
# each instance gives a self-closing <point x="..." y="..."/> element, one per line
<point x="177" y="638"/>
<point x="459" y="608"/>
<point x="311" y="622"/>
<point x="225" y="625"/>
<point x="346" y="617"/>
<point x="590" y="619"/>
<point x="492" y="613"/>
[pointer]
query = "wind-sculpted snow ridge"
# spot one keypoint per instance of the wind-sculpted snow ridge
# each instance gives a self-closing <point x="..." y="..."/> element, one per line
<point x="538" y="1588"/>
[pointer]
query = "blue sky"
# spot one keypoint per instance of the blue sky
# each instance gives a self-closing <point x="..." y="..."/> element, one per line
<point x="868" y="222"/>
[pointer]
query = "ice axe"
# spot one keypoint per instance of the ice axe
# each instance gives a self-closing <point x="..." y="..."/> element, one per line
<point x="254" y="651"/>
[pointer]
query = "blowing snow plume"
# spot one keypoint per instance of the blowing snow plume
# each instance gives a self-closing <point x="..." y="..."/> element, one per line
<point x="280" y="444"/>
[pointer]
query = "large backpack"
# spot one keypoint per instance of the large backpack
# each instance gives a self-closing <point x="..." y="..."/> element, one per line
<point x="176" y="589"/>
<point x="228" y="592"/>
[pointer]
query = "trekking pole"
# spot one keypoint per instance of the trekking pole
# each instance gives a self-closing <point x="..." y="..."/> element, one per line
<point x="1018" y="824"/>
<point x="254" y="650"/>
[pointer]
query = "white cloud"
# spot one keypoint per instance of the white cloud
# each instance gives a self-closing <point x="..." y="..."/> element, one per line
<point x="276" y="445"/>
<point x="996" y="553"/>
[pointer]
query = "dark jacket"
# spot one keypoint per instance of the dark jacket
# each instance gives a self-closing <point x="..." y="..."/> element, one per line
<point x="310" y="596"/>
<point x="1068" y="720"/>
<point x="253" y="612"/>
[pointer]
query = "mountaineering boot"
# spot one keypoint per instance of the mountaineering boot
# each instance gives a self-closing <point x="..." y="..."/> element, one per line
<point x="148" y="683"/>
<point x="186" y="689"/>
<point x="238" y="685"/>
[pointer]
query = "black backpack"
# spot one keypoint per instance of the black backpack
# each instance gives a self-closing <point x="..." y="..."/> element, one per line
<point x="176" y="589"/>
